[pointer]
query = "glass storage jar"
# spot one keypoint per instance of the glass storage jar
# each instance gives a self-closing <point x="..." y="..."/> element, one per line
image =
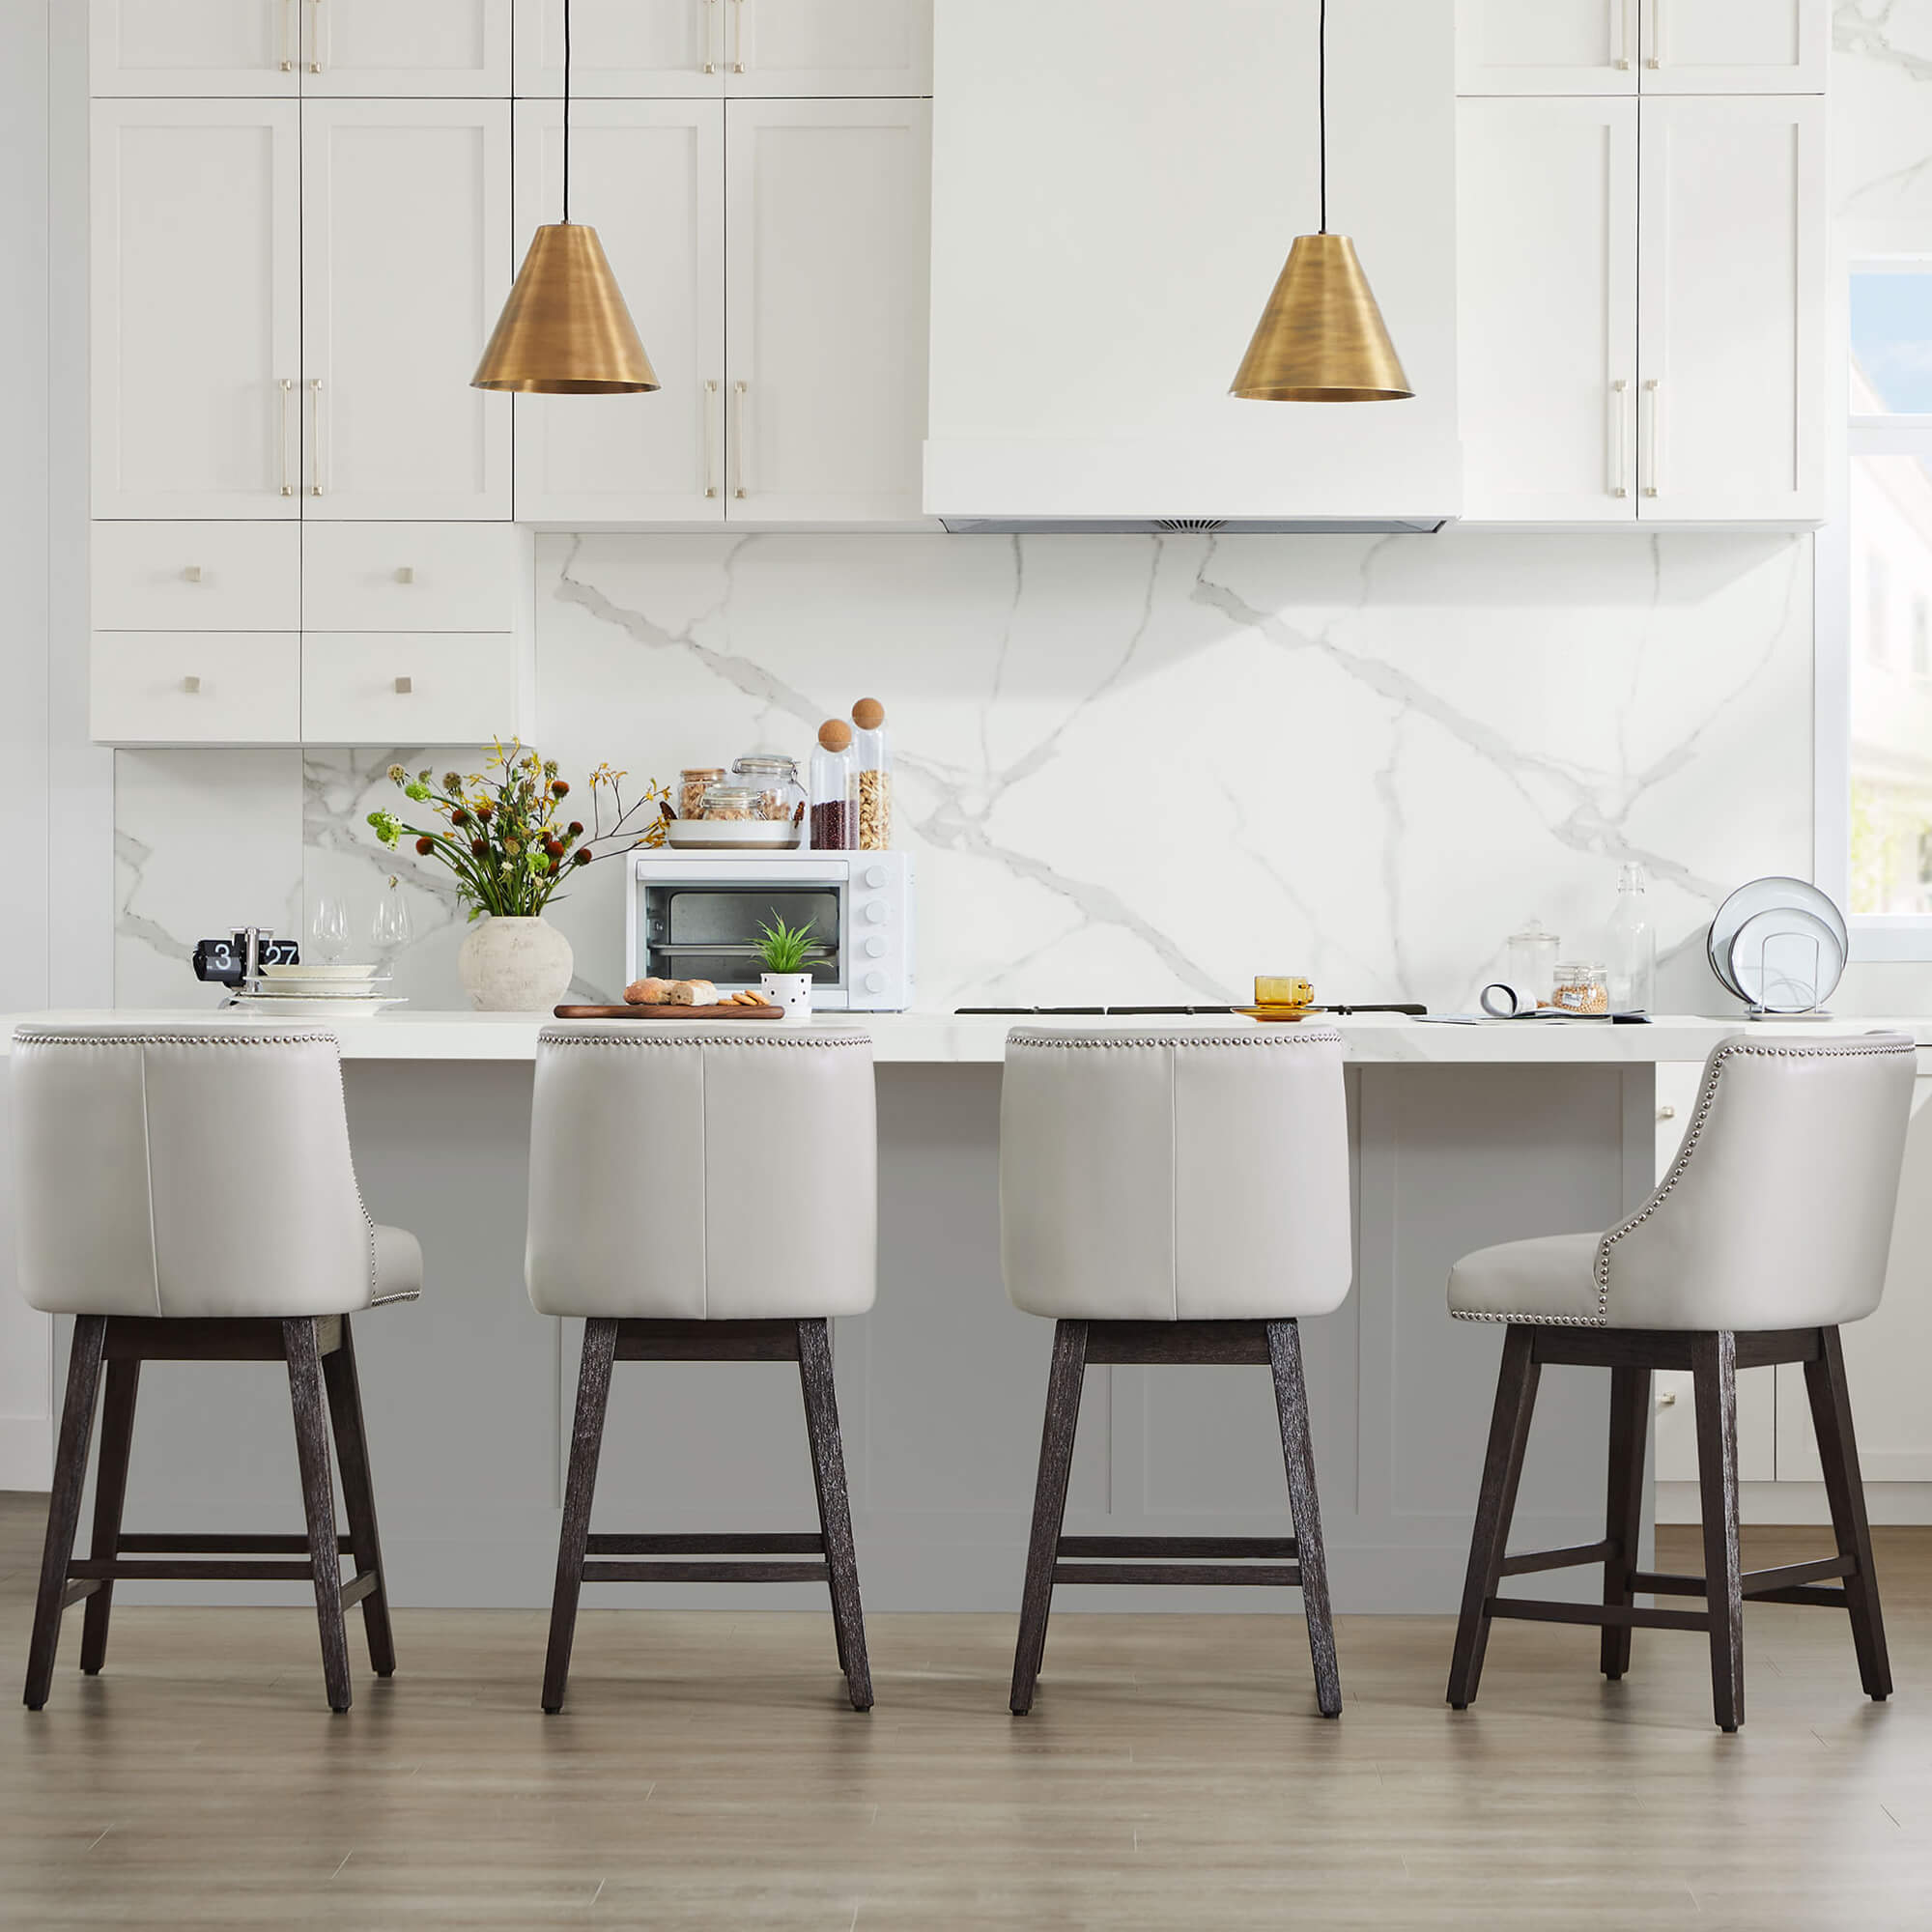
<point x="730" y="800"/>
<point x="1582" y="987"/>
<point x="775" y="779"/>
<point x="692" y="785"/>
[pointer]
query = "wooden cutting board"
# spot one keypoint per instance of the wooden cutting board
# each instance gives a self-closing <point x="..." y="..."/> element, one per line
<point x="724" y="1012"/>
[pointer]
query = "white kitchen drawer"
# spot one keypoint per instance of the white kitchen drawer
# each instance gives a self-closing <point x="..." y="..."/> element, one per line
<point x="413" y="576"/>
<point x="196" y="577"/>
<point x="195" y="687"/>
<point x="409" y="687"/>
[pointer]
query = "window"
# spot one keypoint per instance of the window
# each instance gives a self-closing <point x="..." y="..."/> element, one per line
<point x="1875" y="624"/>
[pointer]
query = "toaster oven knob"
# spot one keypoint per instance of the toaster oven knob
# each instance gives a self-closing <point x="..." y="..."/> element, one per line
<point x="875" y="982"/>
<point x="875" y="912"/>
<point x="875" y="947"/>
<point x="875" y="876"/>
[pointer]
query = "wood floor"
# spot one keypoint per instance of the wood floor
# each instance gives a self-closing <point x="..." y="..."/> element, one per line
<point x="709" y="1772"/>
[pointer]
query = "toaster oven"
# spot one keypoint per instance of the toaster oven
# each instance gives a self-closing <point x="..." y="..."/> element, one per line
<point x="695" y="916"/>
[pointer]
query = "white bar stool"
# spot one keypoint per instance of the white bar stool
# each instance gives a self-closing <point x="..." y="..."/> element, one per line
<point x="188" y="1194"/>
<point x="647" y="1220"/>
<point x="1170" y="1195"/>
<point x="1771" y="1229"/>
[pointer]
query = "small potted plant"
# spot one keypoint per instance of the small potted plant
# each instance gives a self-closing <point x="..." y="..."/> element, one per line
<point x="788" y="951"/>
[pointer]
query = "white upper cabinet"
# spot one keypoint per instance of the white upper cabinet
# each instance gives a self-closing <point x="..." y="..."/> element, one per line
<point x="195" y="46"/>
<point x="196" y="339"/>
<point x="1736" y="47"/>
<point x="1658" y="47"/>
<point x="742" y="48"/>
<point x="1733" y="377"/>
<point x="649" y="177"/>
<point x="828" y="243"/>
<point x="416" y="48"/>
<point x="406" y="244"/>
<point x="1546" y="298"/>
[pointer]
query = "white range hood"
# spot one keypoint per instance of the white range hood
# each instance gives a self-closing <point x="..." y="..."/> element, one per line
<point x="1115" y="183"/>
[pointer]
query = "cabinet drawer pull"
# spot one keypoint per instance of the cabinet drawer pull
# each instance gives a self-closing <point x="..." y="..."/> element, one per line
<point x="1666" y="1112"/>
<point x="406" y="572"/>
<point x="737" y="36"/>
<point x="1667" y="1400"/>
<point x="1656" y="59"/>
<point x="315" y="435"/>
<point x="192" y="574"/>
<point x="1620" y="437"/>
<point x="288" y="389"/>
<point x="740" y="390"/>
<point x="404" y="686"/>
<point x="1623" y="18"/>
<point x="1647" y="432"/>
<point x="315" y="36"/>
<point x="710" y="36"/>
<point x="710" y="408"/>
<point x="191" y="685"/>
<point x="290" y="33"/>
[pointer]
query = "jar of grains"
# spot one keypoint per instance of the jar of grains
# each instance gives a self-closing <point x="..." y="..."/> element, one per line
<point x="730" y="800"/>
<point x="872" y="759"/>
<point x="1581" y="987"/>
<point x="692" y="783"/>
<point x="775" y="779"/>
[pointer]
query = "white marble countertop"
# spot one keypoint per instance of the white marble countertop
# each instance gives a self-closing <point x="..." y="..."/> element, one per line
<point x="932" y="1038"/>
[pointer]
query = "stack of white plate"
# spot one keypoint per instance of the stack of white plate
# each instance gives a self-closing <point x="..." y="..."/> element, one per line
<point x="1780" y="945"/>
<point x="316" y="992"/>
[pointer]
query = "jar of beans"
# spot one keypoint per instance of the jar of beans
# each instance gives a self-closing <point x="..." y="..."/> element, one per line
<point x="835" y="790"/>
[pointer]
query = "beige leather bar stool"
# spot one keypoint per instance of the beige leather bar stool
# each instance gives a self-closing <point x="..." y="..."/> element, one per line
<point x="186" y="1194"/>
<point x="1169" y="1195"/>
<point x="704" y="1193"/>
<point x="1771" y="1229"/>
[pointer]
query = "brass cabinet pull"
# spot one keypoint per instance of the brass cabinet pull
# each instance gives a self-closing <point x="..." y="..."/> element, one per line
<point x="315" y="36"/>
<point x="288" y="389"/>
<point x="710" y="36"/>
<point x="737" y="36"/>
<point x="1656" y="59"/>
<point x="405" y="686"/>
<point x="710" y="443"/>
<point x="290" y="33"/>
<point x="191" y="685"/>
<point x="1620" y="437"/>
<point x="191" y="574"/>
<point x="1647" y="459"/>
<point x="740" y="390"/>
<point x="1623" y="22"/>
<point x="315" y="435"/>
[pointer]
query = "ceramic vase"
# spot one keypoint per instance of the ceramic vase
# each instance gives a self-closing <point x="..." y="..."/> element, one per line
<point x="790" y="990"/>
<point x="514" y="966"/>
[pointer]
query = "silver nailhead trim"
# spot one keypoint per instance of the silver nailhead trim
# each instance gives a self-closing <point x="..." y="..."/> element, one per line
<point x="661" y="1037"/>
<point x="1823" y="1049"/>
<point x="1298" y="1038"/>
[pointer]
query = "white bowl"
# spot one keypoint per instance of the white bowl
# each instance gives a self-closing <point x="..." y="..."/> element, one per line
<point x="304" y="971"/>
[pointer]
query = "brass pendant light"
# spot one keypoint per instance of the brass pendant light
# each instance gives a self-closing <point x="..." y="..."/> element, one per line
<point x="1321" y="339"/>
<point x="565" y="330"/>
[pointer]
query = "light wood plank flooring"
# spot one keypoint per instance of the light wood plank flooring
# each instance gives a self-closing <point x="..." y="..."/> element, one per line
<point x="708" y="1773"/>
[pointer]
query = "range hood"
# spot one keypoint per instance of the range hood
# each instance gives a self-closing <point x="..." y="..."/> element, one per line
<point x="1115" y="183"/>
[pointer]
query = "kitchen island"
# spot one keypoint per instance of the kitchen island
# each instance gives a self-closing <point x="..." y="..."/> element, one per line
<point x="1460" y="1136"/>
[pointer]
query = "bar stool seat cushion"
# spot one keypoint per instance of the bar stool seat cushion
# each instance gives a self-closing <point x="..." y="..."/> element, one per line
<point x="398" y="1265"/>
<point x="1551" y="1278"/>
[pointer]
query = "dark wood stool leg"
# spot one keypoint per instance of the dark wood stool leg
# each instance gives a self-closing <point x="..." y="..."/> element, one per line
<point x="586" y="1441"/>
<point x="1714" y="1371"/>
<point x="835" y="1515"/>
<point x="1496" y="1506"/>
<point x="1838" y="1451"/>
<point x="76" y="1431"/>
<point x="311" y="1417"/>
<point x="1297" y="1448"/>
<point x="1049" y="1505"/>
<point x="110" y="1497"/>
<point x="359" y="1495"/>
<point x="1623" y="1506"/>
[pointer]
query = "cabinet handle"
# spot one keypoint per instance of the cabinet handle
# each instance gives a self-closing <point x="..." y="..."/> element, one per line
<point x="737" y="36"/>
<point x="1666" y="1112"/>
<point x="1667" y="1400"/>
<point x="710" y="439"/>
<point x="192" y="574"/>
<point x="315" y="36"/>
<point x="740" y="390"/>
<point x="191" y="685"/>
<point x="315" y="435"/>
<point x="404" y="686"/>
<point x="290" y="33"/>
<point x="288" y="389"/>
<point x="1647" y="463"/>
<point x="406" y="572"/>
<point x="1622" y="19"/>
<point x="1656" y="59"/>
<point x="710" y="36"/>
<point x="1620" y="473"/>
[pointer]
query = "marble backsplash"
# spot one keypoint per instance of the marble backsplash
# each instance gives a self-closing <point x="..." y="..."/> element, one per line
<point x="1129" y="768"/>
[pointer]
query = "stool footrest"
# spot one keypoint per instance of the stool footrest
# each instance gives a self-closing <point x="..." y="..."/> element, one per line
<point x="1179" y="1545"/>
<point x="1280" y="1575"/>
<point x="357" y="1587"/>
<point x="1768" y="1585"/>
<point x="1541" y="1610"/>
<point x="186" y="1568"/>
<point x="706" y="1573"/>
<point x="1558" y="1559"/>
<point x="800" y="1543"/>
<point x="163" y="1543"/>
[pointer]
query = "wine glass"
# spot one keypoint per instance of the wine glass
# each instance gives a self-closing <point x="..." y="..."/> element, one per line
<point x="392" y="928"/>
<point x="328" y="927"/>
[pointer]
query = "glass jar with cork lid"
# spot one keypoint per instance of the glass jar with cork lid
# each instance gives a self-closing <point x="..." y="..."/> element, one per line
<point x="872" y="758"/>
<point x="835" y="806"/>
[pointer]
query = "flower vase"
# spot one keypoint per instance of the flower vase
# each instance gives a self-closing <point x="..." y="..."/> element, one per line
<point x="515" y="966"/>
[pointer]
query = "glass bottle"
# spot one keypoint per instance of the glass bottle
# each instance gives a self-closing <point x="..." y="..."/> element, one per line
<point x="835" y="804"/>
<point x="1631" y="946"/>
<point x="872" y="755"/>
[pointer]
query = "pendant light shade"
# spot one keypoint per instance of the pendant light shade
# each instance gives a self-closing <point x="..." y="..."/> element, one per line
<point x="1321" y="338"/>
<point x="565" y="330"/>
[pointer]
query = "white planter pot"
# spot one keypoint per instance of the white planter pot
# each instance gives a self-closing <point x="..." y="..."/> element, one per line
<point x="515" y="966"/>
<point x="790" y="990"/>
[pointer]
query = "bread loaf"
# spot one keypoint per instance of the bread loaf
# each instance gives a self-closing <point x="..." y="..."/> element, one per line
<point x="694" y="993"/>
<point x="647" y="993"/>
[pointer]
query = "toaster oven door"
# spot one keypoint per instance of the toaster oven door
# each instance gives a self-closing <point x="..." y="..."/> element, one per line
<point x="709" y="930"/>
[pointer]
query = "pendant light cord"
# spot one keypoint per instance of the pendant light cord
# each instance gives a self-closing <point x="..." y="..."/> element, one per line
<point x="1322" y="44"/>
<point x="566" y="110"/>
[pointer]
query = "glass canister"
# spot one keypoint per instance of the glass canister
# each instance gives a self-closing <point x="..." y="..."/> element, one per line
<point x="1582" y="987"/>
<point x="1532" y="962"/>
<point x="730" y="800"/>
<point x="775" y="779"/>
<point x="872" y="757"/>
<point x="692" y="785"/>
<point x="835" y="803"/>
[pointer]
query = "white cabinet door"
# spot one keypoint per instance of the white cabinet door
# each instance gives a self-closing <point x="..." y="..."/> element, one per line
<point x="636" y="50"/>
<point x="414" y="577"/>
<point x="1736" y="47"/>
<point x="410" y="687"/>
<point x="196" y="577"/>
<point x="425" y="48"/>
<point x="406" y="237"/>
<point x="195" y="688"/>
<point x="193" y="46"/>
<point x="828" y="236"/>
<point x="1886" y="1353"/>
<point x="195" y="255"/>
<point x="1546" y="302"/>
<point x="1733" y="379"/>
<point x="649" y="177"/>
<point x="1546" y="46"/>
<point x="781" y="48"/>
